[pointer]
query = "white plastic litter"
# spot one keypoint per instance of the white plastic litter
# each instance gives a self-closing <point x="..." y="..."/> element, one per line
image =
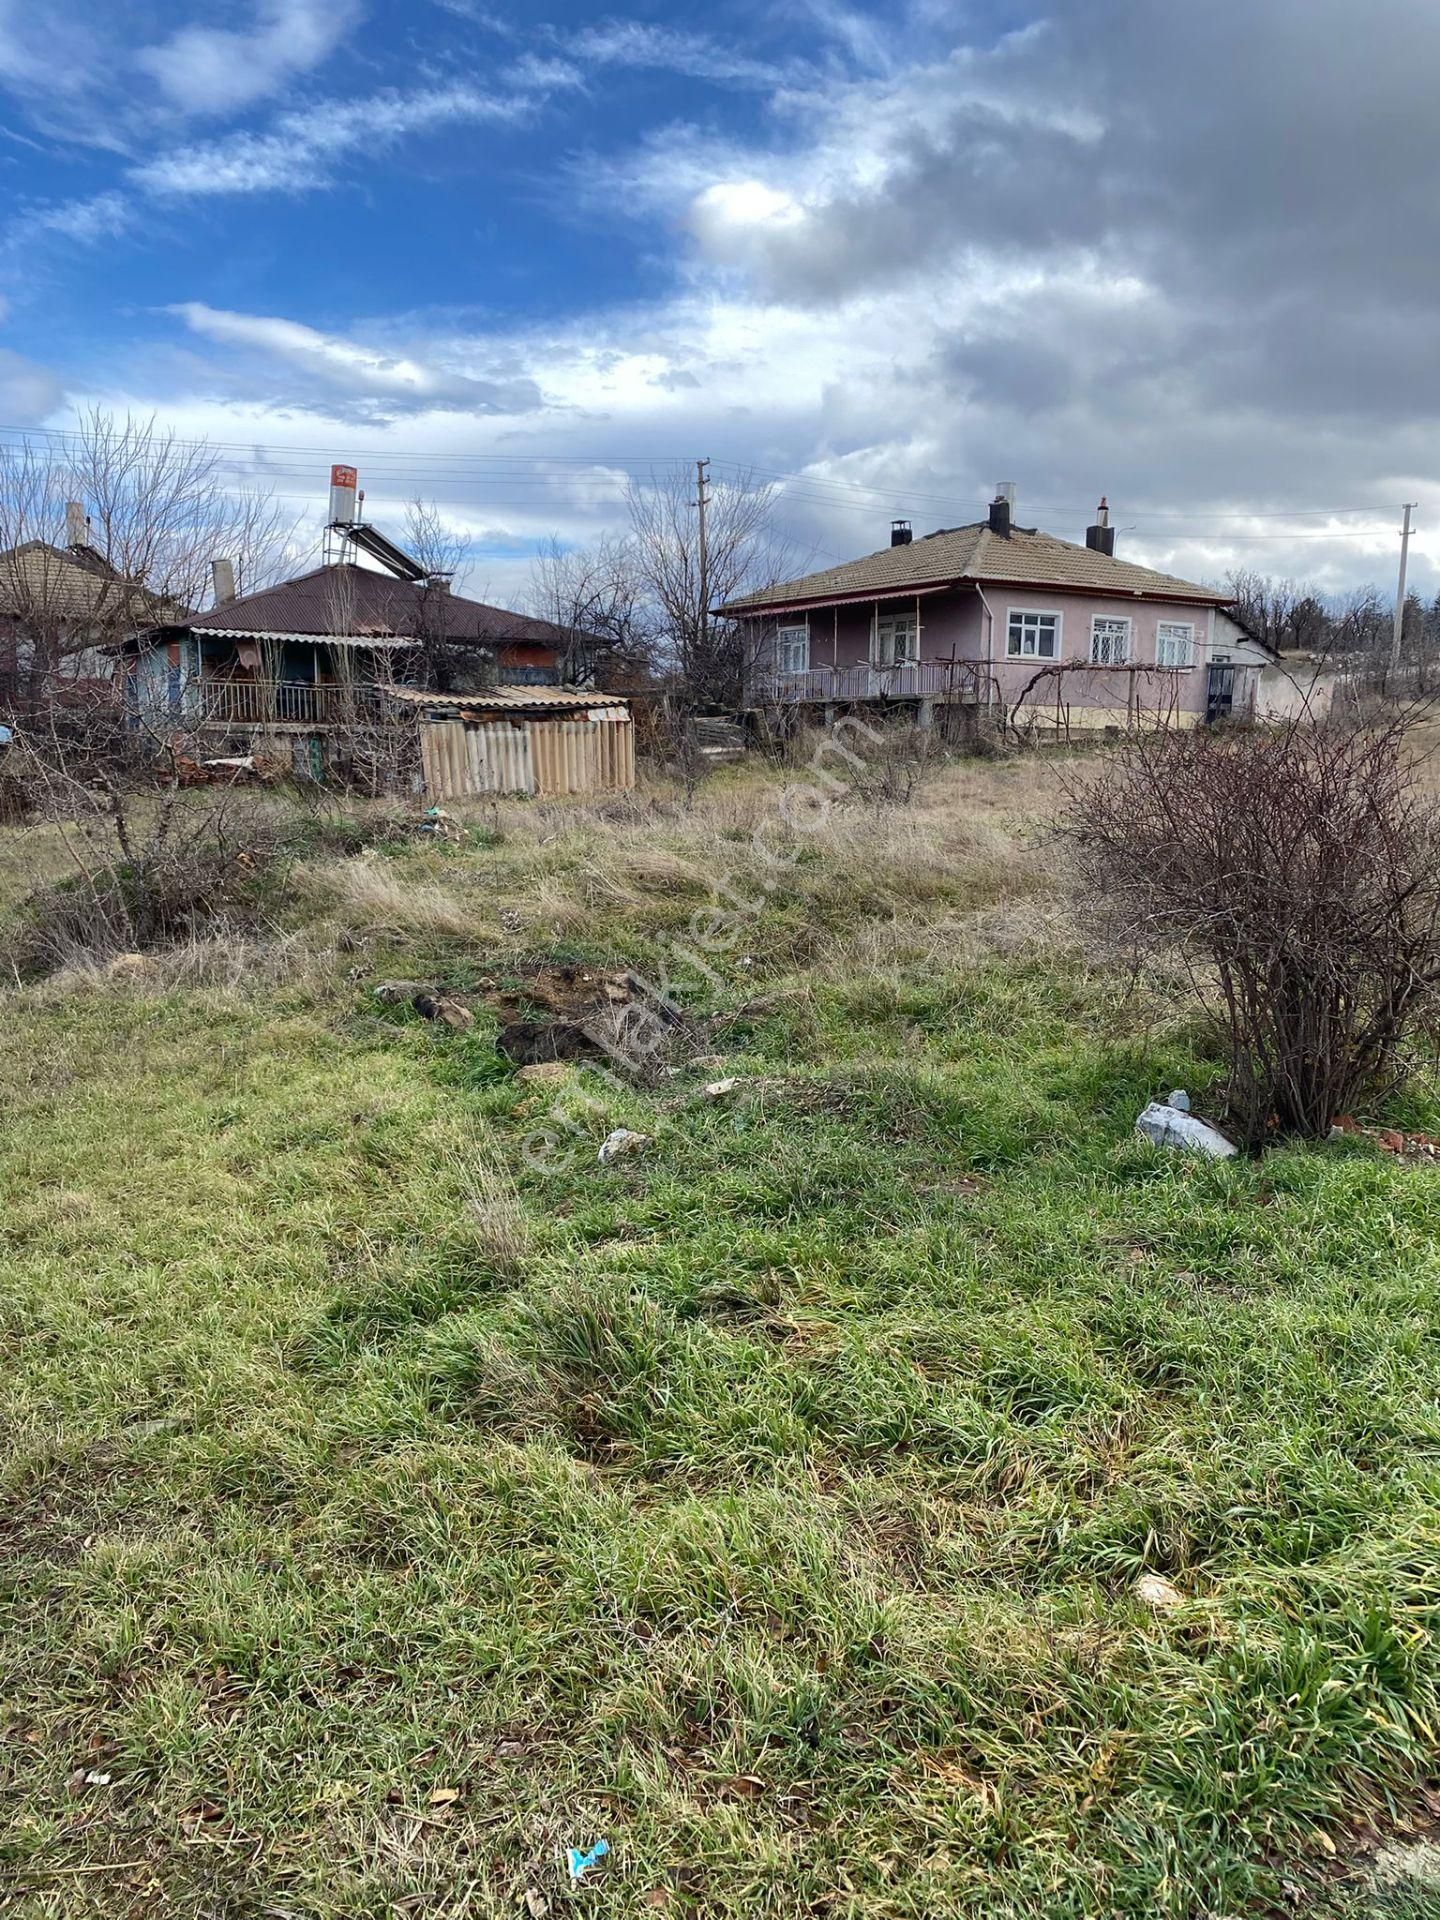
<point x="1169" y="1126"/>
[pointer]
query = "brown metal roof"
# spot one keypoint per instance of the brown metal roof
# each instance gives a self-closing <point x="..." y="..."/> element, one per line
<point x="1024" y="557"/>
<point x="516" y="699"/>
<point x="355" y="601"/>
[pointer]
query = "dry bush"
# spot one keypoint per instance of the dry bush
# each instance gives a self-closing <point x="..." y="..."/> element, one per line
<point x="880" y="766"/>
<point x="129" y="860"/>
<point x="1297" y="870"/>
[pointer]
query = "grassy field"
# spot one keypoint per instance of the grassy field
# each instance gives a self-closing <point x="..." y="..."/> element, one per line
<point x="395" y="1496"/>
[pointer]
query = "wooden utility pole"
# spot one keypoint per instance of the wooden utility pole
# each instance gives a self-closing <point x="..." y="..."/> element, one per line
<point x="1399" y="633"/>
<point x="702" y="501"/>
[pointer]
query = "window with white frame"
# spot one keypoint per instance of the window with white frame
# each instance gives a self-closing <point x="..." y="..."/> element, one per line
<point x="1032" y="636"/>
<point x="897" y="639"/>
<point x="792" y="648"/>
<point x="1175" y="643"/>
<point x="1109" y="641"/>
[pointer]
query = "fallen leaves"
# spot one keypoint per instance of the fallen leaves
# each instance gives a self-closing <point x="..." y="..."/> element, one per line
<point x="742" y="1786"/>
<point x="1413" y="1146"/>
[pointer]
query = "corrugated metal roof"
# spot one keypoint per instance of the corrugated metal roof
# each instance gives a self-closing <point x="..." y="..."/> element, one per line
<point x="269" y="636"/>
<point x="1024" y="556"/>
<point x="355" y="600"/>
<point x="536" y="699"/>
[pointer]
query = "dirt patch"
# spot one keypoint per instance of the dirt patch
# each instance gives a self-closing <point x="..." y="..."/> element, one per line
<point x="574" y="1012"/>
<point x="531" y="1043"/>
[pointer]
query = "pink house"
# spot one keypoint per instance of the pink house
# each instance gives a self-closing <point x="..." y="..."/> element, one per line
<point x="994" y="614"/>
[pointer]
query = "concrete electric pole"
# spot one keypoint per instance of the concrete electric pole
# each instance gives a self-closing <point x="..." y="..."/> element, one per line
<point x="702" y="501"/>
<point x="1399" y="633"/>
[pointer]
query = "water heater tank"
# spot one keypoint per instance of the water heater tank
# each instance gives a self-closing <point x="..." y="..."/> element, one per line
<point x="343" y="482"/>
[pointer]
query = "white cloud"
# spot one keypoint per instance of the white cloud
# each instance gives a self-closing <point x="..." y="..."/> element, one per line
<point x="299" y="150"/>
<point x="727" y="216"/>
<point x="102" y="217"/>
<point x="635" y="43"/>
<point x="207" y="70"/>
<point x="384" y="382"/>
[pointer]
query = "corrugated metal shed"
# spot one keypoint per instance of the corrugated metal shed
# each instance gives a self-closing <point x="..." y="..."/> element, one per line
<point x="536" y="740"/>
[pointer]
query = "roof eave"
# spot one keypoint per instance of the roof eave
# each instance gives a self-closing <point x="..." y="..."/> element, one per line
<point x="746" y="609"/>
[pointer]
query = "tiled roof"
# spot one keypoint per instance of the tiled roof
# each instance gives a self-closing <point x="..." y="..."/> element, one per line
<point x="552" y="699"/>
<point x="977" y="553"/>
<point x="354" y="601"/>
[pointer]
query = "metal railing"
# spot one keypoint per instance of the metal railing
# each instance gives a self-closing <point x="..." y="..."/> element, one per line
<point x="286" y="703"/>
<point x="910" y="680"/>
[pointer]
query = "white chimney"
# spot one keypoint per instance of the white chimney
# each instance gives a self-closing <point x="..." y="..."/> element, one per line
<point x="77" y="525"/>
<point x="222" y="577"/>
<point x="1005" y="490"/>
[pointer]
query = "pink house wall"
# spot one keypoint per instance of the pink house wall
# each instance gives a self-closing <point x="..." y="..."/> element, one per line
<point x="1186" y="689"/>
<point x="957" y="624"/>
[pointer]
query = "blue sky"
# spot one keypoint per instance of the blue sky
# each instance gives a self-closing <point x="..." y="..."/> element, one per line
<point x="502" y="257"/>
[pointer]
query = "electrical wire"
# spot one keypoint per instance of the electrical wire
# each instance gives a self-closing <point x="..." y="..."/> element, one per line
<point x="258" y="461"/>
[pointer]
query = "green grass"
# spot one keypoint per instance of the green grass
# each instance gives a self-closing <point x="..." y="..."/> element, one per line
<point x="768" y="1504"/>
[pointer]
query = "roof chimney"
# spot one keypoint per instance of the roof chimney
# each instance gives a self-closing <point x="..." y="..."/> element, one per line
<point x="901" y="533"/>
<point x="222" y="578"/>
<point x="77" y="525"/>
<point x="1001" y="508"/>
<point x="1101" y="537"/>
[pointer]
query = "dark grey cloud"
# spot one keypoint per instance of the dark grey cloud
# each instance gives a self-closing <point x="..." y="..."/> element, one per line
<point x="1188" y="254"/>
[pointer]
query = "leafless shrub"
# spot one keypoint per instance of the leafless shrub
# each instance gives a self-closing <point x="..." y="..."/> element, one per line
<point x="147" y="860"/>
<point x="1297" y="871"/>
<point x="885" y="766"/>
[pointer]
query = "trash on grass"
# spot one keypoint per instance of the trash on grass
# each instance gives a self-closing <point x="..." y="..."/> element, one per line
<point x="621" y="1142"/>
<point x="579" y="1864"/>
<point x="1165" y="1125"/>
<point x="1157" y="1592"/>
<point x="718" y="1089"/>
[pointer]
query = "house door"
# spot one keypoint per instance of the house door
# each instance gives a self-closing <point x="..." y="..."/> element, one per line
<point x="1219" y="692"/>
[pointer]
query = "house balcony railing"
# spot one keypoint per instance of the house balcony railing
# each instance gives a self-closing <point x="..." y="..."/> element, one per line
<point x="910" y="680"/>
<point x="285" y="703"/>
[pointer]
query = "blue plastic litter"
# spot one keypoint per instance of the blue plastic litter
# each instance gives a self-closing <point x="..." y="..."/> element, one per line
<point x="580" y="1863"/>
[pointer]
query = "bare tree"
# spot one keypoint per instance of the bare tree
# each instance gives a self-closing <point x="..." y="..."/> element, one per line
<point x="745" y="550"/>
<point x="596" y="596"/>
<point x="114" y="530"/>
<point x="445" y="663"/>
<point x="440" y="549"/>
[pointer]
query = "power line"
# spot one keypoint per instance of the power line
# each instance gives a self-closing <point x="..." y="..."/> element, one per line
<point x="260" y="461"/>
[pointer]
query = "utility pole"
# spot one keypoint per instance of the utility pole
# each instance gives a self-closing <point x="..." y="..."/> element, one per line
<point x="1410" y="506"/>
<point x="702" y="501"/>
